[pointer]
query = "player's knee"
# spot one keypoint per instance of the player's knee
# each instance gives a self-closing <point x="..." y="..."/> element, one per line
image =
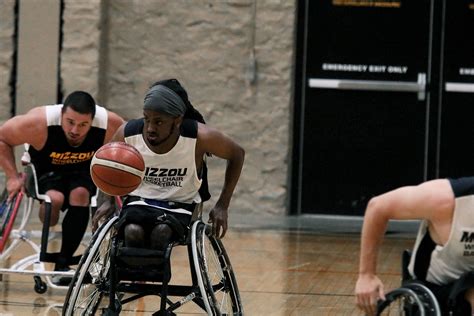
<point x="161" y="236"/>
<point x="79" y="196"/>
<point x="469" y="296"/>
<point x="54" y="215"/>
<point x="134" y="235"/>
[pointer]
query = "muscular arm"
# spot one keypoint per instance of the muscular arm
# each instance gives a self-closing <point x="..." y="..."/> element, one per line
<point x="212" y="141"/>
<point x="28" y="128"/>
<point x="113" y="123"/>
<point x="432" y="201"/>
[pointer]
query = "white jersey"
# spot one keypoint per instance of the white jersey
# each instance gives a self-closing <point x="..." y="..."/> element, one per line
<point x="171" y="176"/>
<point x="443" y="264"/>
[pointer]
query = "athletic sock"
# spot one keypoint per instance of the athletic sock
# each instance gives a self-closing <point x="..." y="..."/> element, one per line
<point x="74" y="226"/>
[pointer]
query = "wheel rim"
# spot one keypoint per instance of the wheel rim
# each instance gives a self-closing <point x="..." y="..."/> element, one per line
<point x="215" y="272"/>
<point x="91" y="282"/>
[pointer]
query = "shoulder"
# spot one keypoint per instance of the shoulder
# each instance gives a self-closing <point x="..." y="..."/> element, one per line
<point x="30" y="127"/>
<point x="38" y="115"/>
<point x="133" y="127"/>
<point x="101" y="117"/>
<point x="113" y="119"/>
<point x="462" y="186"/>
<point x="189" y="128"/>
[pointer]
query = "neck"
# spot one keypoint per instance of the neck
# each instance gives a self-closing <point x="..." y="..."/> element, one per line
<point x="165" y="145"/>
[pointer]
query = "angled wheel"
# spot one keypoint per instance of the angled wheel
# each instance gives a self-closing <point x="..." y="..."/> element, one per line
<point x="214" y="272"/>
<point x="8" y="212"/>
<point x="411" y="299"/>
<point x="89" y="285"/>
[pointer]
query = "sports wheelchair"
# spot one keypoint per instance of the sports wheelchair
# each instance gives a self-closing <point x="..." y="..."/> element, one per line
<point x="14" y="220"/>
<point x="111" y="275"/>
<point x="415" y="298"/>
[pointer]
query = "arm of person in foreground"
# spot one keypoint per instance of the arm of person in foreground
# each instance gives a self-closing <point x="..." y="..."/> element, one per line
<point x="213" y="141"/>
<point x="432" y="201"/>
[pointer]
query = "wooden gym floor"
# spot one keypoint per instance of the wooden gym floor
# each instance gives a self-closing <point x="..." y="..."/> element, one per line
<point x="295" y="266"/>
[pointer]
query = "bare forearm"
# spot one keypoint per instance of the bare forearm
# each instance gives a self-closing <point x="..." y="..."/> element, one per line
<point x="232" y="174"/>
<point x="7" y="160"/>
<point x="372" y="235"/>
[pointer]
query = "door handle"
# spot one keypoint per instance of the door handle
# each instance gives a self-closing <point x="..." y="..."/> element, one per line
<point x="459" y="87"/>
<point x="372" y="85"/>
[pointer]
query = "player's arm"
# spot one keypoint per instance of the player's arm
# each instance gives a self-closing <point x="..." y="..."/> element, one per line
<point x="114" y="122"/>
<point x="432" y="201"/>
<point x="28" y="128"/>
<point x="213" y="141"/>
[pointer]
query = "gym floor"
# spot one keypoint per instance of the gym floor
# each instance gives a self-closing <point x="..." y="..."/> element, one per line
<point x="303" y="265"/>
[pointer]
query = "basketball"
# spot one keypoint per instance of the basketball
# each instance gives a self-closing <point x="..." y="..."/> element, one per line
<point x="117" y="168"/>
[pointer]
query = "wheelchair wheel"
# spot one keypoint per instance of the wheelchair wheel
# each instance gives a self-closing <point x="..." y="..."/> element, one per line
<point x="214" y="272"/>
<point x="8" y="212"/>
<point x="411" y="299"/>
<point x="89" y="285"/>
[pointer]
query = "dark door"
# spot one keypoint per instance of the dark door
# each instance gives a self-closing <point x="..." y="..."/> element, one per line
<point x="457" y="102"/>
<point x="362" y="127"/>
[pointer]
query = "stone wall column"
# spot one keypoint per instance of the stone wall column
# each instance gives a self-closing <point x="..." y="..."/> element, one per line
<point x="38" y="51"/>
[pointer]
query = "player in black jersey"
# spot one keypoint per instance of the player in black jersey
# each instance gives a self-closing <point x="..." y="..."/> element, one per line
<point x="441" y="254"/>
<point x="62" y="139"/>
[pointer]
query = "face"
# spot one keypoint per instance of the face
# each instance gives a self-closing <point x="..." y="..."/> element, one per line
<point x="75" y="126"/>
<point x="160" y="127"/>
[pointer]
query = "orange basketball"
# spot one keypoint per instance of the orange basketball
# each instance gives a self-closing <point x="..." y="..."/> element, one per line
<point x="117" y="168"/>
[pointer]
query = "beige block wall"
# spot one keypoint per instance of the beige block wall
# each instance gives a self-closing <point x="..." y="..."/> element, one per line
<point x="7" y="21"/>
<point x="116" y="49"/>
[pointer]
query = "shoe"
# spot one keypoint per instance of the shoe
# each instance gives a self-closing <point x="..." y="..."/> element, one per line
<point x="61" y="280"/>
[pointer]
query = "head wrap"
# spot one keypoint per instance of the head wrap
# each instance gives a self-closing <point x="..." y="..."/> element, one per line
<point x="162" y="99"/>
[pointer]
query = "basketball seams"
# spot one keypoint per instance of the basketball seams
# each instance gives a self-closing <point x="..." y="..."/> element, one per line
<point x="115" y="184"/>
<point x="117" y="166"/>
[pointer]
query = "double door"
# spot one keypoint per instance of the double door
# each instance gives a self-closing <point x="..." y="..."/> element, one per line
<point x="384" y="98"/>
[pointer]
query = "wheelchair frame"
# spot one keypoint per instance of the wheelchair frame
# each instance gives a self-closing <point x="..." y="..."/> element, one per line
<point x="104" y="282"/>
<point x="14" y="237"/>
<point x="412" y="298"/>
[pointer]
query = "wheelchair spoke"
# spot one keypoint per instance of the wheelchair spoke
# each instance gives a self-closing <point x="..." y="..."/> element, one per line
<point x="217" y="276"/>
<point x="90" y="284"/>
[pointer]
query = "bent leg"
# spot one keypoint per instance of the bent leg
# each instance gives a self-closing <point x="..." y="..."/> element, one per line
<point x="57" y="201"/>
<point x="469" y="297"/>
<point x="160" y="236"/>
<point x="134" y="236"/>
<point x="74" y="224"/>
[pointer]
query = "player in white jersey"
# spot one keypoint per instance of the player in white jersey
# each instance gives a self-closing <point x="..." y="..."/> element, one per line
<point x="442" y="251"/>
<point x="174" y="146"/>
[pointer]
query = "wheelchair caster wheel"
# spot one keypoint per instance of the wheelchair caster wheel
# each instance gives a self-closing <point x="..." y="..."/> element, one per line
<point x="40" y="286"/>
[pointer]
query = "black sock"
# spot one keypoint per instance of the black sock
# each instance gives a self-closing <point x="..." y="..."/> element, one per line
<point x="74" y="226"/>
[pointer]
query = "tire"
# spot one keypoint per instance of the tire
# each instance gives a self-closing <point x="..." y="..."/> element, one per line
<point x="8" y="212"/>
<point x="89" y="285"/>
<point x="411" y="299"/>
<point x="215" y="275"/>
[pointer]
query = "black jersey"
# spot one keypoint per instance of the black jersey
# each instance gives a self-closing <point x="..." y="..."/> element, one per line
<point x="57" y="155"/>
